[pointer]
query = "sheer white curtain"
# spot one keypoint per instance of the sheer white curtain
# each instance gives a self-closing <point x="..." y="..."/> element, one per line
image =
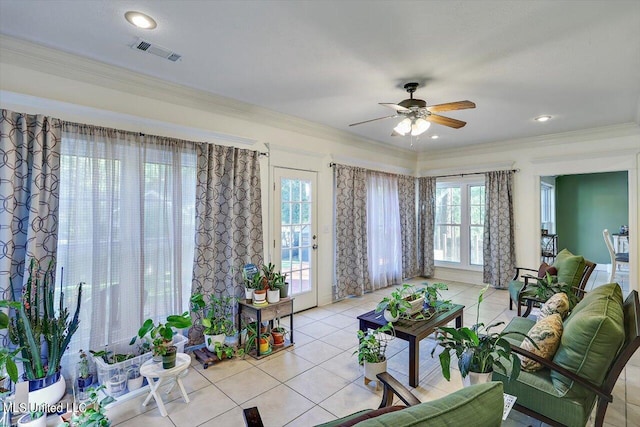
<point x="383" y="230"/>
<point x="127" y="214"/>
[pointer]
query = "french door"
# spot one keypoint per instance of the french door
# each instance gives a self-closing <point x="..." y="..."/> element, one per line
<point x="295" y="233"/>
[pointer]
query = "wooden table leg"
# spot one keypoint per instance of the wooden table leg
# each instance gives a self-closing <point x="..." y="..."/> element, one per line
<point x="414" y="361"/>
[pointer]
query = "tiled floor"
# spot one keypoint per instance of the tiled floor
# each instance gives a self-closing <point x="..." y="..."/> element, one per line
<point x="318" y="379"/>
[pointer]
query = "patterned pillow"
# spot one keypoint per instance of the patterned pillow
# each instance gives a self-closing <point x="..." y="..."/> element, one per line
<point x="558" y="303"/>
<point x="546" y="334"/>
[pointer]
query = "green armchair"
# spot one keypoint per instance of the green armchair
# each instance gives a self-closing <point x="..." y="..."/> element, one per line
<point x="571" y="269"/>
<point x="480" y="405"/>
<point x="599" y="338"/>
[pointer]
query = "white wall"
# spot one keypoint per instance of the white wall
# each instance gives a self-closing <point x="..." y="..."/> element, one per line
<point x="596" y="150"/>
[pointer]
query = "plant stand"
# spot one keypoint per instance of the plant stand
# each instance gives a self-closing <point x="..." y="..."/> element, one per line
<point x="267" y="313"/>
<point x="206" y="357"/>
<point x="152" y="370"/>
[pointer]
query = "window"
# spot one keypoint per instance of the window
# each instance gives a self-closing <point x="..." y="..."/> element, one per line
<point x="459" y="224"/>
<point x="547" y="207"/>
<point x="127" y="221"/>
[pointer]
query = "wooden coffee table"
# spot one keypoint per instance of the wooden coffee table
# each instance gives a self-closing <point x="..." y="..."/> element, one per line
<point x="413" y="331"/>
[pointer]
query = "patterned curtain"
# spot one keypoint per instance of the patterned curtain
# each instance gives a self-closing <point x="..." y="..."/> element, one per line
<point x="499" y="246"/>
<point x="427" y="204"/>
<point x="228" y="219"/>
<point x="407" y="201"/>
<point x="29" y="186"/>
<point x="352" y="271"/>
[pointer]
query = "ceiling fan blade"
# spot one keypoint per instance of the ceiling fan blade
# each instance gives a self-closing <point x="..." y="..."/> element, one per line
<point x="446" y="121"/>
<point x="373" y="120"/>
<point x="398" y="108"/>
<point x="449" y="106"/>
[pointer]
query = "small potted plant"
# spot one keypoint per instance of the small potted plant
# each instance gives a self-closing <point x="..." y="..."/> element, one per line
<point x="85" y="379"/>
<point x="279" y="333"/>
<point x="274" y="281"/>
<point x="33" y="419"/>
<point x="432" y="293"/>
<point x="248" y="272"/>
<point x="94" y="414"/>
<point x="477" y="350"/>
<point x="218" y="319"/>
<point x="393" y="306"/>
<point x="371" y="350"/>
<point x="161" y="336"/>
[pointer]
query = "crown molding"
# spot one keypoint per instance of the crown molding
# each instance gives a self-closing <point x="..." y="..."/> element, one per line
<point x="582" y="135"/>
<point x="37" y="57"/>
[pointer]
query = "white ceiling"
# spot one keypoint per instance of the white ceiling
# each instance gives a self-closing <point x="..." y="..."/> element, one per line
<point x="332" y="62"/>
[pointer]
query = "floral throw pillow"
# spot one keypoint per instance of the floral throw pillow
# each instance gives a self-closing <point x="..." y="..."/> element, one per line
<point x="546" y="334"/>
<point x="558" y="303"/>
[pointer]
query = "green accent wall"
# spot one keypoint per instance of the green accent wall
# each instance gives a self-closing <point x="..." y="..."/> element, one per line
<point x="586" y="205"/>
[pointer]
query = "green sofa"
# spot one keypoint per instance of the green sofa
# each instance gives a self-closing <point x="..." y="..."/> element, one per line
<point x="599" y="337"/>
<point x="480" y="405"/>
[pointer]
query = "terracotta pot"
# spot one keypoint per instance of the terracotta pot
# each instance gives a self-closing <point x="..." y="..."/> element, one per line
<point x="259" y="295"/>
<point x="278" y="338"/>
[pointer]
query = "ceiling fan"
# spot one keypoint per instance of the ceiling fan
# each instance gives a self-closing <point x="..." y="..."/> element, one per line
<point x="419" y="116"/>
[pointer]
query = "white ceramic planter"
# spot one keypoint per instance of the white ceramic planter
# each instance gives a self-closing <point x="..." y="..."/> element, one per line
<point x="135" y="383"/>
<point x="476" y="378"/>
<point x="389" y="318"/>
<point x="26" y="421"/>
<point x="211" y="340"/>
<point x="248" y="293"/>
<point x="49" y="395"/>
<point x="373" y="369"/>
<point x="416" y="306"/>
<point x="273" y="296"/>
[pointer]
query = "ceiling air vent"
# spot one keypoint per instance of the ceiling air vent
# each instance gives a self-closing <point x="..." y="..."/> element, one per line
<point x="154" y="49"/>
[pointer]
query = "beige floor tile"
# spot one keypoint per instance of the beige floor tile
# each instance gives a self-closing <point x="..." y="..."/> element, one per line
<point x="279" y="406"/>
<point x="231" y="418"/>
<point x="317" y="351"/>
<point x="204" y="404"/>
<point x="316" y="313"/>
<point x="344" y="365"/>
<point x="339" y="320"/>
<point x="225" y="369"/>
<point x="287" y="366"/>
<point x="247" y="385"/>
<point x="194" y="380"/>
<point x="342" y="339"/>
<point x="350" y="399"/>
<point x="301" y="339"/>
<point x="152" y="418"/>
<point x="312" y="417"/>
<point x="131" y="408"/>
<point x="633" y="415"/>
<point x="317" y="384"/>
<point x="317" y="329"/>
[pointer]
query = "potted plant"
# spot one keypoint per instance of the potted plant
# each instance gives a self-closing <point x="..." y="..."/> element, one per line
<point x="477" y="349"/>
<point x="94" y="413"/>
<point x="8" y="358"/>
<point x="161" y="336"/>
<point x="33" y="419"/>
<point x="218" y="317"/>
<point x="393" y="306"/>
<point x="248" y="273"/>
<point x="274" y="281"/>
<point x="432" y="293"/>
<point x="42" y="332"/>
<point x="84" y="378"/>
<point x="371" y="350"/>
<point x="259" y="288"/>
<point x="279" y="333"/>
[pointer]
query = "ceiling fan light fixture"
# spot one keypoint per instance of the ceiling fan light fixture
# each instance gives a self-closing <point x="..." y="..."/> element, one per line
<point x="403" y="127"/>
<point x="419" y="126"/>
<point x="140" y="20"/>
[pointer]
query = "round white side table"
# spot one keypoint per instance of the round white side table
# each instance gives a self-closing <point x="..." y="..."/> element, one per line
<point x="154" y="371"/>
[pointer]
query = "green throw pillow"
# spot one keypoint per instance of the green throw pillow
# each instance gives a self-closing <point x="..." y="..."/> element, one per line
<point x="570" y="267"/>
<point x="593" y="335"/>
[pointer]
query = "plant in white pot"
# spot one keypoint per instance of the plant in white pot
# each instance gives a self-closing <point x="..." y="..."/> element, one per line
<point x="477" y="350"/>
<point x="218" y="320"/>
<point x="371" y="350"/>
<point x="393" y="306"/>
<point x="161" y="336"/>
<point x="42" y="332"/>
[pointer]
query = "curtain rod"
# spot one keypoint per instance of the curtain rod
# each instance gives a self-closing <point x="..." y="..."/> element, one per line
<point x="469" y="174"/>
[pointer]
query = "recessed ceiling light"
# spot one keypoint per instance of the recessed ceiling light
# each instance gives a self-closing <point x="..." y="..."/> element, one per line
<point x="140" y="20"/>
<point x="542" y="118"/>
<point x="434" y="137"/>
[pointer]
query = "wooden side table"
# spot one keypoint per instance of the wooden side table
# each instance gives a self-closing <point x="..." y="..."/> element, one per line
<point x="154" y="370"/>
<point x="266" y="313"/>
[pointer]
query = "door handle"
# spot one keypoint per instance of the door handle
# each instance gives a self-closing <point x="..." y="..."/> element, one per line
<point x="314" y="246"/>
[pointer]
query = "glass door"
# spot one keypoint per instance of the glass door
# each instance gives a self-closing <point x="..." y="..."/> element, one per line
<point x="295" y="245"/>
